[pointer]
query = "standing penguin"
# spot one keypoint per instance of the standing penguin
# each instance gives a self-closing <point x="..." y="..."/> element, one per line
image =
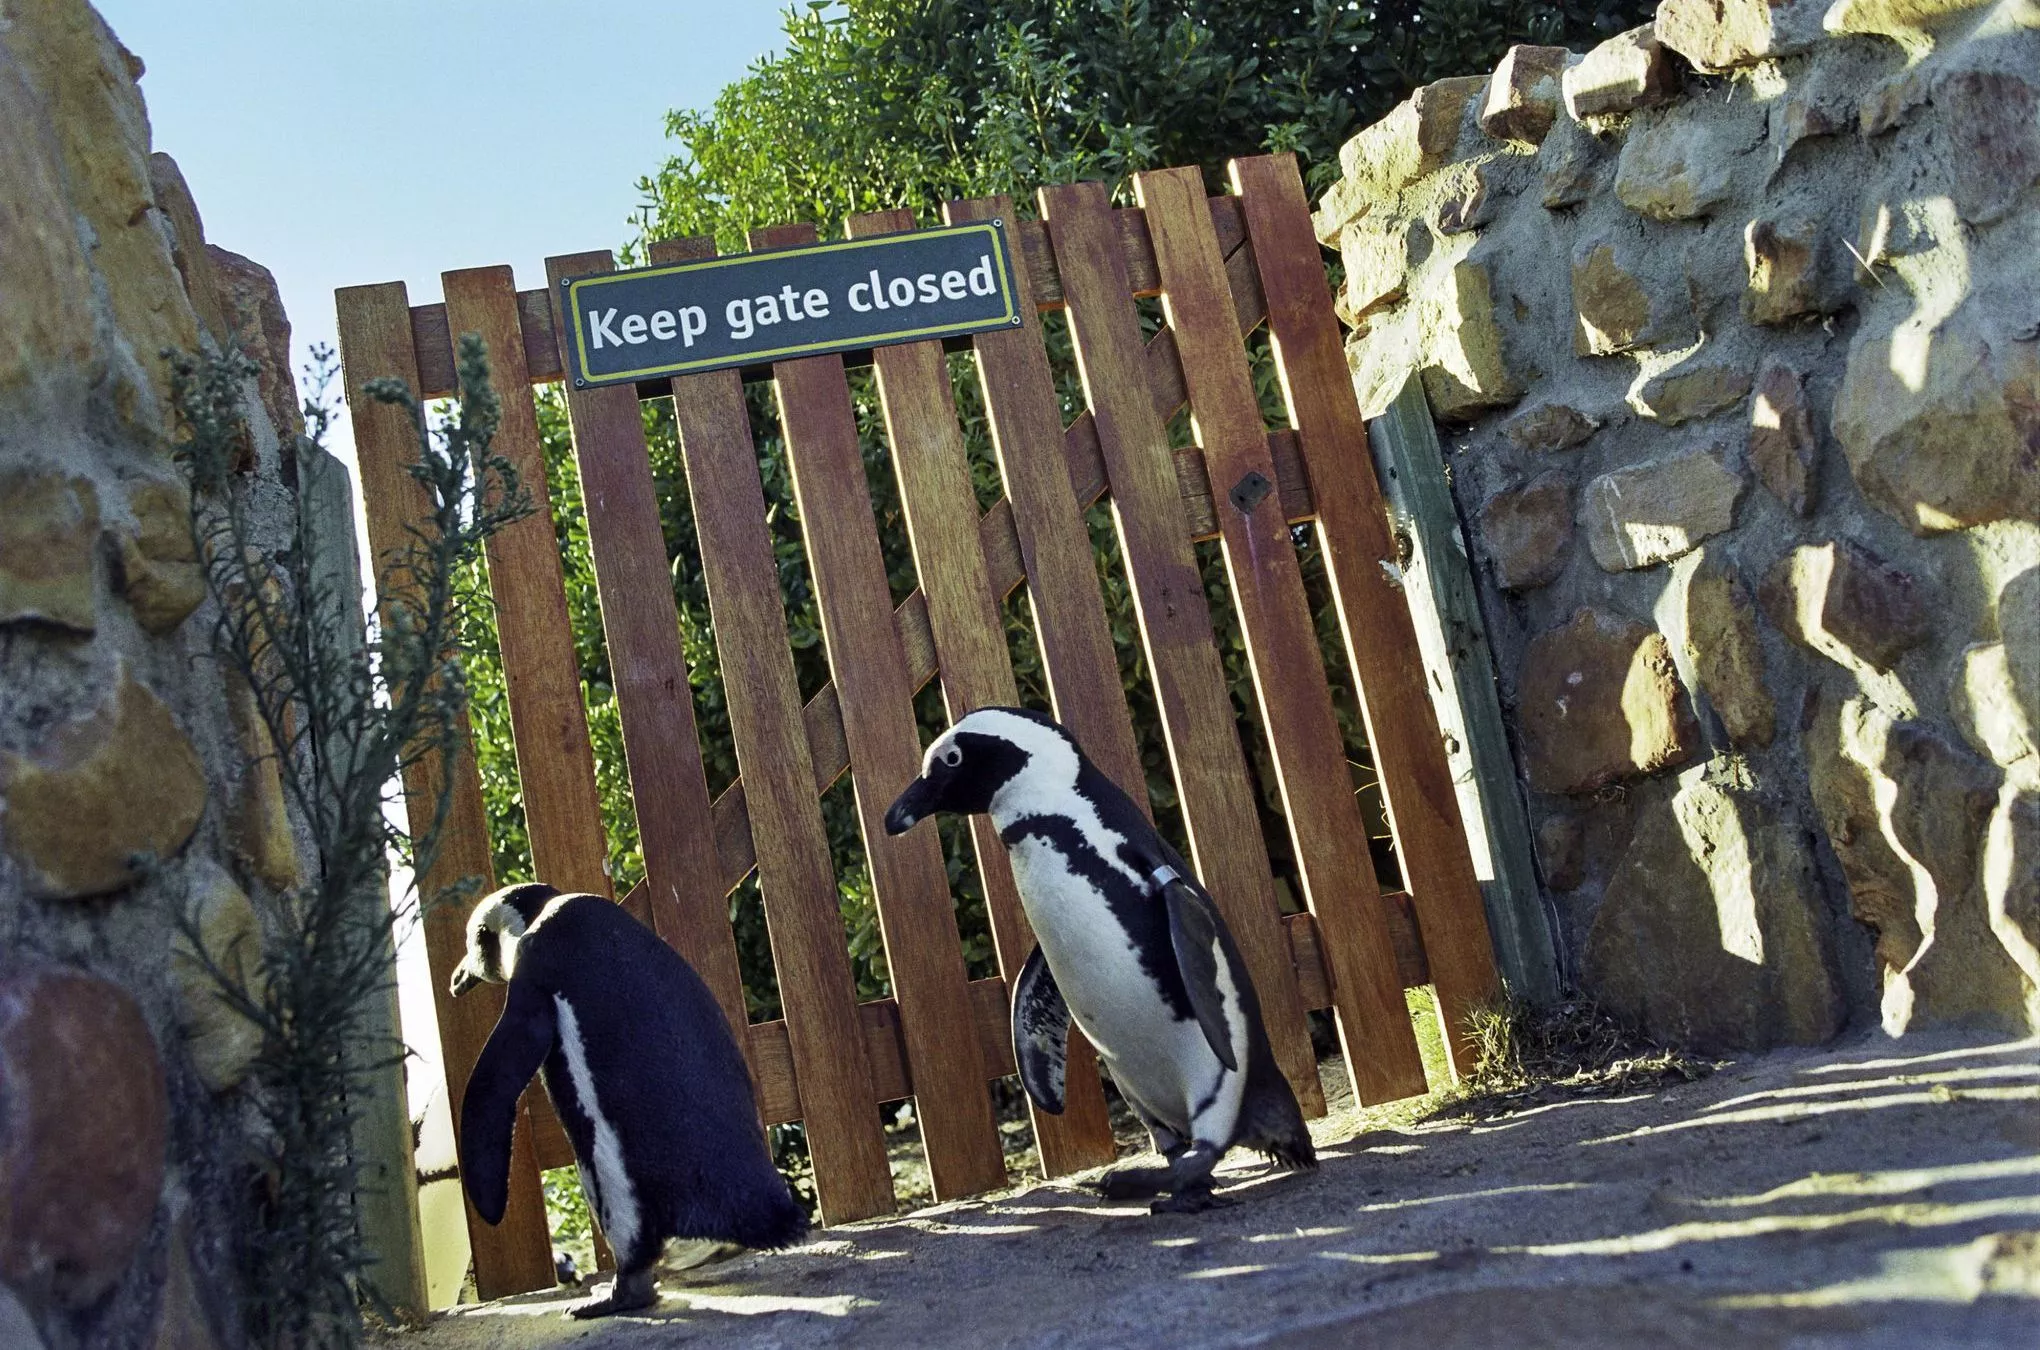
<point x="1130" y="946"/>
<point x="642" y="1071"/>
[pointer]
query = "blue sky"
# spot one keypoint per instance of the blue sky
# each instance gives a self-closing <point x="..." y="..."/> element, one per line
<point x="383" y="140"/>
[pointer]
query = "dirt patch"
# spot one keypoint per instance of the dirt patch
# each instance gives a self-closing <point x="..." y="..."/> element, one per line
<point x="1878" y="1193"/>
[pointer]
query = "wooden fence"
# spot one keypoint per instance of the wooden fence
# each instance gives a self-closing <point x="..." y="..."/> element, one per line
<point x="1222" y="266"/>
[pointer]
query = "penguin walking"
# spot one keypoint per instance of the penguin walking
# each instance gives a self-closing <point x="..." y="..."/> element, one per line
<point x="1130" y="946"/>
<point x="642" y="1071"/>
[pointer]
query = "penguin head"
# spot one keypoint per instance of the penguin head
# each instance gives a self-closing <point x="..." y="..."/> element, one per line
<point x="498" y="923"/>
<point x="966" y="766"/>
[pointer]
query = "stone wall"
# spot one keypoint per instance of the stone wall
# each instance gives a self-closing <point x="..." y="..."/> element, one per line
<point x="133" y="778"/>
<point x="1734" y="326"/>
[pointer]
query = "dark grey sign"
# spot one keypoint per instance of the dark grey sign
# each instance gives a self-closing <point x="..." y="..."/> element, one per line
<point x="752" y="308"/>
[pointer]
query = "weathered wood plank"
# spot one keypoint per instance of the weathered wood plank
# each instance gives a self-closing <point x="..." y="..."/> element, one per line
<point x="1381" y="643"/>
<point x="796" y="879"/>
<point x="916" y="914"/>
<point x="649" y="673"/>
<point x="966" y="632"/>
<point x="1183" y="660"/>
<point x="1439" y="584"/>
<point x="555" y="761"/>
<point x="376" y="341"/>
<point x="1325" y="824"/>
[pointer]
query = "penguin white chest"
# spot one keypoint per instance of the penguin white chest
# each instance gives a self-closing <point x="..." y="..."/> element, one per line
<point x="1159" y="1059"/>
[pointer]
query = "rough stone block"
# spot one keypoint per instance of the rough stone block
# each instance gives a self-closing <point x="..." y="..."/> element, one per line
<point x="1473" y="196"/>
<point x="121" y="782"/>
<point x="1598" y="701"/>
<point x="1724" y="652"/>
<point x="1523" y="95"/>
<point x="1799" y="117"/>
<point x="1382" y="360"/>
<point x="1620" y="305"/>
<point x="1719" y="35"/>
<point x="1783" y="448"/>
<point x="1528" y="531"/>
<point x="159" y="570"/>
<point x="82" y="1138"/>
<point x="1941" y="426"/>
<point x="1344" y="202"/>
<point x="49" y="532"/>
<point x="1650" y="513"/>
<point x="1378" y="253"/>
<point x="1677" y="168"/>
<point x="1712" y="932"/>
<point x="1906" y="20"/>
<point x="1549" y="427"/>
<point x="1629" y="71"/>
<point x="1987" y="709"/>
<point x="2018" y="619"/>
<point x="1415" y="139"/>
<point x="259" y="826"/>
<point x="1785" y="265"/>
<point x="1465" y="370"/>
<point x="1562" y="849"/>
<point x="1570" y="161"/>
<point x="187" y="244"/>
<point x="1841" y="598"/>
<point x="46" y="306"/>
<point x="1992" y="120"/>
<point x="1690" y="391"/>
<point x="221" y="1042"/>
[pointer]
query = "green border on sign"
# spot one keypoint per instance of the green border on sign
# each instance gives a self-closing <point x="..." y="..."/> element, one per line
<point x="575" y="287"/>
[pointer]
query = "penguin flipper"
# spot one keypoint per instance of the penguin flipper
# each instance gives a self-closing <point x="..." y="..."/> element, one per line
<point x="488" y="1109"/>
<point x="1196" y="932"/>
<point x="1041" y="1033"/>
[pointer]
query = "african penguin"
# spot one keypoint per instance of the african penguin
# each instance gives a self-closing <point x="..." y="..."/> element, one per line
<point x="1130" y="946"/>
<point x="642" y="1071"/>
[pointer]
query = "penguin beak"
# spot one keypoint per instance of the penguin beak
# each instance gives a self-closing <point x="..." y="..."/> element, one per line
<point x="464" y="979"/>
<point x="912" y="805"/>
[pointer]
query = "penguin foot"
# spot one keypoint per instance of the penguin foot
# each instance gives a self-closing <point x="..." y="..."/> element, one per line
<point x="625" y="1294"/>
<point x="1190" y="1200"/>
<point x="1134" y="1183"/>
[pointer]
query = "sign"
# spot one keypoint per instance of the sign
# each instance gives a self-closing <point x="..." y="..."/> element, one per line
<point x="749" y="308"/>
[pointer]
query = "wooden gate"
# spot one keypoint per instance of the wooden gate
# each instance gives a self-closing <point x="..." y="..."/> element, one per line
<point x="1222" y="266"/>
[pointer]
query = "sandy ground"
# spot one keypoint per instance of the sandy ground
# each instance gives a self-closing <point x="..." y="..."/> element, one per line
<point x="1878" y="1193"/>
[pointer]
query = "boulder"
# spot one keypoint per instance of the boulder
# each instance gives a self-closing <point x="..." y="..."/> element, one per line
<point x="1629" y="71"/>
<point x="1570" y="161"/>
<point x="46" y="307"/>
<point x="224" y="932"/>
<point x="1528" y="531"/>
<point x="1941" y="423"/>
<point x="83" y="1122"/>
<point x="159" y="570"/>
<point x="1465" y="370"/>
<point x="1382" y="360"/>
<point x="1786" y="264"/>
<point x="1725" y="653"/>
<point x="188" y="252"/>
<point x="1840" y="599"/>
<point x="1677" y="168"/>
<point x="254" y="308"/>
<point x="1473" y="193"/>
<point x="49" y="533"/>
<point x="1783" y="448"/>
<point x="1691" y="390"/>
<point x="1549" y="427"/>
<point x="1712" y="932"/>
<point x="1523" y="95"/>
<point x="1598" y="701"/>
<point x="1653" y="512"/>
<point x="1379" y="253"/>
<point x="1992" y="121"/>
<point x="1621" y="301"/>
<point x="1415" y="139"/>
<point x="100" y="793"/>
<point x="1720" y="35"/>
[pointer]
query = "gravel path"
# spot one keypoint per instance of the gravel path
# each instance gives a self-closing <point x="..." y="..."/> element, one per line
<point x="1878" y="1193"/>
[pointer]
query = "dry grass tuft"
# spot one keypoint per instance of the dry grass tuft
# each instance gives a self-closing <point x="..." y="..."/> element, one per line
<point x="1575" y="1048"/>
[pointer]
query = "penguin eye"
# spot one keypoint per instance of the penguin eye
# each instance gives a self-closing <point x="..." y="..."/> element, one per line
<point x="952" y="756"/>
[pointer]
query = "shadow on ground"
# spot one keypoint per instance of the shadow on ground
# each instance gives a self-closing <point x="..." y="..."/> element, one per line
<point x="1883" y="1194"/>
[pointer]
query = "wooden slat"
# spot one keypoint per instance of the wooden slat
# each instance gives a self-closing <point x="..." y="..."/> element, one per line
<point x="916" y="914"/>
<point x="375" y="341"/>
<point x="1325" y="824"/>
<point x="796" y="878"/>
<point x="655" y="703"/>
<point x="1380" y="641"/>
<point x="555" y="761"/>
<point x="1183" y="660"/>
<point x="968" y="635"/>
